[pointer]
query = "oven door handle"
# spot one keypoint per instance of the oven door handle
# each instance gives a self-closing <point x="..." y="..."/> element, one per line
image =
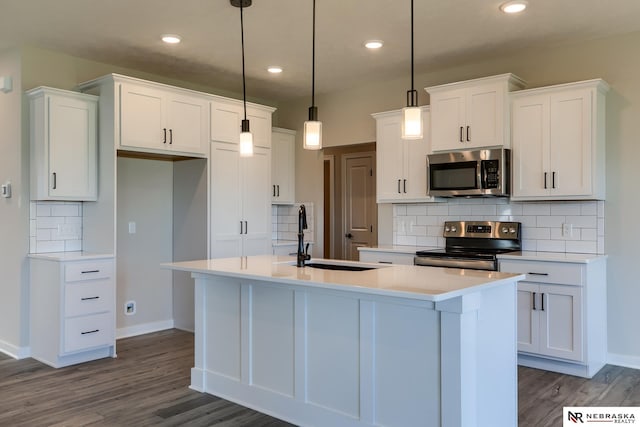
<point x="453" y="262"/>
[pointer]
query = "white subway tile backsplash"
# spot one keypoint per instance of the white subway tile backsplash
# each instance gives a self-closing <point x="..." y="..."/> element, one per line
<point x="45" y="226"/>
<point x="582" y="247"/>
<point x="536" y="209"/>
<point x="285" y="222"/>
<point x="542" y="222"/>
<point x="416" y="209"/>
<point x="550" y="221"/>
<point x="565" y="209"/>
<point x="583" y="221"/>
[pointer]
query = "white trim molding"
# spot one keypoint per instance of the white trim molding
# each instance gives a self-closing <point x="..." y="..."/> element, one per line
<point x="624" y="360"/>
<point x="144" y="328"/>
<point x="13" y="351"/>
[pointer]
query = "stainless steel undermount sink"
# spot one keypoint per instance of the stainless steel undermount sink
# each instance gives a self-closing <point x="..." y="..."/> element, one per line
<point x="340" y="267"/>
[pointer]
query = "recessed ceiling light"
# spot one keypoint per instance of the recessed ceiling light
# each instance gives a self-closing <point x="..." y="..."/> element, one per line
<point x="171" y="38"/>
<point x="515" y="6"/>
<point x="373" y="44"/>
<point x="274" y="69"/>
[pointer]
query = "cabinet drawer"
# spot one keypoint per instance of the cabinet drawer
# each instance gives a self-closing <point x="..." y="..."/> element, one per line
<point x="87" y="298"/>
<point x="386" y="257"/>
<point x="546" y="272"/>
<point x="88" y="270"/>
<point x="81" y="333"/>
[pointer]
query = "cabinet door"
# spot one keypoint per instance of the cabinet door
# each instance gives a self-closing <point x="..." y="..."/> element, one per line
<point x="389" y="159"/>
<point x="282" y="167"/>
<point x="256" y="206"/>
<point x="72" y="149"/>
<point x="226" y="201"/>
<point x="561" y="322"/>
<point x="142" y="117"/>
<point x="225" y="121"/>
<point x="484" y="116"/>
<point x="187" y="124"/>
<point x="528" y="318"/>
<point x="571" y="143"/>
<point x="415" y="153"/>
<point x="260" y="126"/>
<point x="448" y="120"/>
<point x="530" y="142"/>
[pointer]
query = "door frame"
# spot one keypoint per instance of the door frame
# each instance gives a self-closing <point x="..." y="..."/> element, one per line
<point x="344" y="158"/>
<point x="332" y="200"/>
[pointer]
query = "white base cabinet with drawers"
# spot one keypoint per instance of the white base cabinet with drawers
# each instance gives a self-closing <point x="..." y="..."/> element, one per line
<point x="390" y="256"/>
<point x="562" y="315"/>
<point x="72" y="309"/>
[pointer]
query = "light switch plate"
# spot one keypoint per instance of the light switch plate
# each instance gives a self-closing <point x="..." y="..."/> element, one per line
<point x="5" y="190"/>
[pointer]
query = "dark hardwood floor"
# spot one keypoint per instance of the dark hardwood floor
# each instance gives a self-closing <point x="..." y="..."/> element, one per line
<point x="147" y="385"/>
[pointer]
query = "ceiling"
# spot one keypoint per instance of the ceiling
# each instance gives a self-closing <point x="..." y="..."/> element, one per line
<point x="127" y="33"/>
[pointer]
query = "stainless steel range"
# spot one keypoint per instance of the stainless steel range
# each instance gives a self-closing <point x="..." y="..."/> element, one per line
<point x="473" y="244"/>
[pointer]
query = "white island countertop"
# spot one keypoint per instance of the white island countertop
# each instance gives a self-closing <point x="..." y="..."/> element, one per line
<point x="404" y="281"/>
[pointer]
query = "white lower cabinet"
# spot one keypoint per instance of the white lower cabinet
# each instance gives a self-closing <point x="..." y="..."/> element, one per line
<point x="562" y="322"/>
<point x="72" y="310"/>
<point x="240" y="202"/>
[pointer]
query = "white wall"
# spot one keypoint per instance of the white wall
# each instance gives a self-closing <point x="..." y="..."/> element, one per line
<point x="346" y="120"/>
<point x="14" y="213"/>
<point x="145" y="197"/>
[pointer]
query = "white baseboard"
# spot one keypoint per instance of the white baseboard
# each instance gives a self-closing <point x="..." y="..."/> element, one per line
<point x="623" y="360"/>
<point x="13" y="351"/>
<point x="144" y="328"/>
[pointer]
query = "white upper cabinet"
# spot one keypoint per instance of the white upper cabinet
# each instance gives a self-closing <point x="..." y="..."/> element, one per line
<point x="472" y="114"/>
<point x="156" y="118"/>
<point x="283" y="171"/>
<point x="63" y="138"/>
<point x="558" y="142"/>
<point x="226" y="121"/>
<point x="401" y="165"/>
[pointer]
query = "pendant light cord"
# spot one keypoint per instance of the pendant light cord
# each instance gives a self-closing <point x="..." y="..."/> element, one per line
<point x="244" y="85"/>
<point x="412" y="86"/>
<point x="313" y="58"/>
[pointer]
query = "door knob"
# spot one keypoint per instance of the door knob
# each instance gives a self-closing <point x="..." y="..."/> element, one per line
<point x="348" y="235"/>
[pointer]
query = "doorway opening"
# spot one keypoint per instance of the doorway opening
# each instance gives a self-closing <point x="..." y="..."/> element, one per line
<point x="350" y="209"/>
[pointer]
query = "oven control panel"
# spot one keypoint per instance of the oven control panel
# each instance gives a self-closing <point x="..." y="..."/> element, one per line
<point x="482" y="229"/>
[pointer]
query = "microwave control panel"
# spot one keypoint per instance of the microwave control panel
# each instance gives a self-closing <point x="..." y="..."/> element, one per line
<point x="490" y="177"/>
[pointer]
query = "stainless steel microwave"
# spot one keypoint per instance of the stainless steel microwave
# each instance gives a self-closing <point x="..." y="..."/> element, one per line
<point x="480" y="173"/>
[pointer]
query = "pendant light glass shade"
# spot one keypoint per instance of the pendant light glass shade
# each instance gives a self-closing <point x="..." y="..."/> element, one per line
<point x="312" y="135"/>
<point x="246" y="140"/>
<point x="411" y="123"/>
<point x="412" y="114"/>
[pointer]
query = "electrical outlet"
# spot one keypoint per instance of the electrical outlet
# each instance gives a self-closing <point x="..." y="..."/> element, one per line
<point x="132" y="227"/>
<point x="567" y="230"/>
<point x="130" y="308"/>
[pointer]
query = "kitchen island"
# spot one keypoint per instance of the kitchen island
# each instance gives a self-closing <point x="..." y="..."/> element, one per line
<point x="393" y="345"/>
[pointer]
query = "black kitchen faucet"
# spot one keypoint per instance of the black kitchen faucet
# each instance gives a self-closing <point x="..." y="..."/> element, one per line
<point x="302" y="225"/>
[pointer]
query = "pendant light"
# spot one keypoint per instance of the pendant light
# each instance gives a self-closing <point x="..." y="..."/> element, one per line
<point x="412" y="114"/>
<point x="312" y="138"/>
<point x="246" y="139"/>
